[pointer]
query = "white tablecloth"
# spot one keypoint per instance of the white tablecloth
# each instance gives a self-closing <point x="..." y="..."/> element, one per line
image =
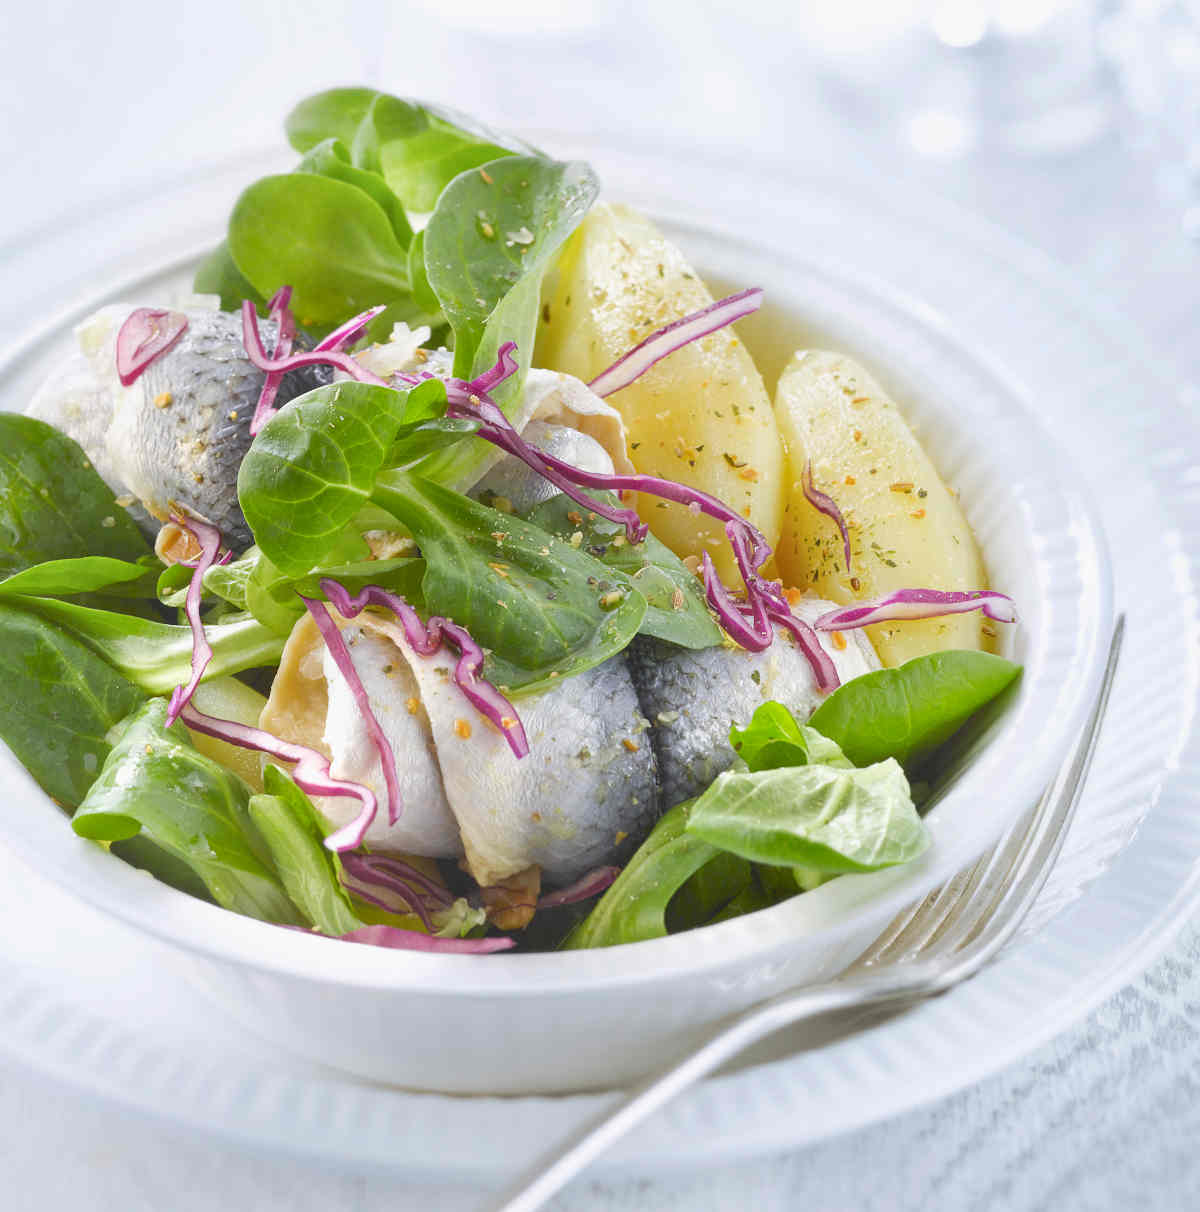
<point x="102" y="101"/>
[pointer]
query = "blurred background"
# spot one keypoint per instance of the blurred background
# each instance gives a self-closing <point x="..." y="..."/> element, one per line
<point x="1073" y="123"/>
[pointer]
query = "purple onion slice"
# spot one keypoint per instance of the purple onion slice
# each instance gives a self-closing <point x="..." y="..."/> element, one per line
<point x="394" y="885"/>
<point x="209" y="538"/>
<point x="827" y="505"/>
<point x="146" y="334"/>
<point x="589" y="885"/>
<point x="339" y="650"/>
<point x="344" y="336"/>
<point x="675" y="336"/>
<point x="383" y="888"/>
<point x="755" y="636"/>
<point x="824" y="670"/>
<point x="310" y="769"/>
<point x="280" y="311"/>
<point x="506" y="365"/>
<point x="919" y="604"/>
<point x="257" y="353"/>
<point x="413" y="940"/>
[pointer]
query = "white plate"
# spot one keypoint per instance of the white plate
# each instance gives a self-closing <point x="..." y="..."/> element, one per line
<point x="1108" y="406"/>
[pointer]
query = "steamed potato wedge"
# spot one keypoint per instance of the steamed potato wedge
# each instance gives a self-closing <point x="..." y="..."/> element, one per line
<point x="702" y="415"/>
<point x="906" y="528"/>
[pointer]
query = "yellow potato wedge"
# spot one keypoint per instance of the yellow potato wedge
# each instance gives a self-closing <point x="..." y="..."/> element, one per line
<point x="702" y="415"/>
<point x="906" y="528"/>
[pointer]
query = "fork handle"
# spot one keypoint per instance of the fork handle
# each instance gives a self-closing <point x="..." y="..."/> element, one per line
<point x="546" y="1176"/>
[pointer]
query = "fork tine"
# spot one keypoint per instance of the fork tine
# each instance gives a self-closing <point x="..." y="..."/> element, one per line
<point x="953" y="916"/>
<point x="957" y="897"/>
<point x="894" y="929"/>
<point x="932" y="918"/>
<point x="997" y="920"/>
<point x="1008" y="861"/>
<point x="909" y="931"/>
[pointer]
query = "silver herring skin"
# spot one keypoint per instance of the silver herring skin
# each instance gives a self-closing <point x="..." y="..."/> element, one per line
<point x="177" y="434"/>
<point x="692" y="697"/>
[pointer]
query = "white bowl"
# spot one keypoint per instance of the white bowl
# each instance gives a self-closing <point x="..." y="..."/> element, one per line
<point x="579" y="1020"/>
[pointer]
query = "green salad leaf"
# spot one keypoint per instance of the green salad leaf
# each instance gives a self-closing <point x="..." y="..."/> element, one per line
<point x="634" y="907"/>
<point x="156" y="657"/>
<point x="329" y="240"/>
<point x="793" y="814"/>
<point x="313" y="466"/>
<point x="288" y="823"/>
<point x="675" y="607"/>
<point x="144" y="853"/>
<point x="336" y="228"/>
<point x="774" y="740"/>
<point x="494" y="230"/>
<point x="273" y="597"/>
<point x="58" y="701"/>
<point x="422" y="292"/>
<point x="909" y="711"/>
<point x="723" y="881"/>
<point x="53" y="504"/>
<point x="494" y="234"/>
<point x="829" y="818"/>
<point x="416" y="149"/>
<point x="155" y="784"/>
<point x="330" y="158"/>
<point x="86" y="574"/>
<point x="541" y="607"/>
<point x="228" y="582"/>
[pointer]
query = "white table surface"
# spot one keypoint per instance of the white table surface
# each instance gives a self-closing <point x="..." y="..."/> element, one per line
<point x="102" y="101"/>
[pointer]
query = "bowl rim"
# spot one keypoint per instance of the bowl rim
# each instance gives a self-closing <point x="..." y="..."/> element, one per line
<point x="94" y="877"/>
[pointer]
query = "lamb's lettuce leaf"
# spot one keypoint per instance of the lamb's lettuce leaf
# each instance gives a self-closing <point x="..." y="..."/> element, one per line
<point x="156" y="657"/>
<point x="494" y="234"/>
<point x="415" y="148"/>
<point x="58" y="701"/>
<point x="634" y="907"/>
<point x="314" y="465"/>
<point x="675" y="607"/>
<point x="723" y="881"/>
<point x="288" y="823"/>
<point x="907" y="712"/>
<point x="155" y="785"/>
<point x="330" y="158"/>
<point x="828" y="818"/>
<point x="495" y="231"/>
<point x="53" y="503"/>
<point x="773" y="740"/>
<point x="86" y="574"/>
<point x="540" y="607"/>
<point x="329" y="240"/>
<point x="225" y="581"/>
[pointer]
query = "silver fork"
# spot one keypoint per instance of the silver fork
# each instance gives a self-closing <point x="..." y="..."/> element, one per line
<point x="926" y="950"/>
